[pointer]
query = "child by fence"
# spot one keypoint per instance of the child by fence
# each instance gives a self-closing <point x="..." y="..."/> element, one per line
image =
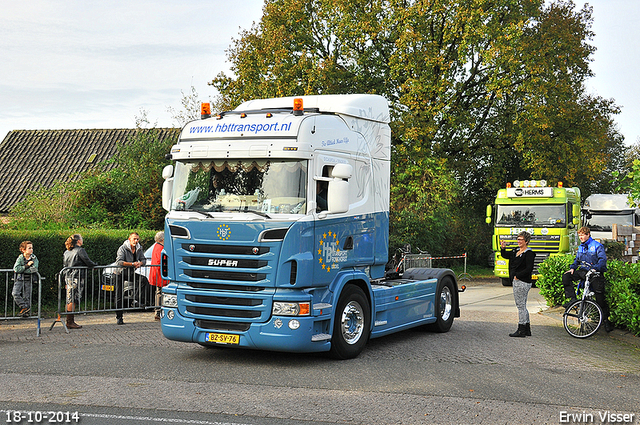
<point x="26" y="272"/>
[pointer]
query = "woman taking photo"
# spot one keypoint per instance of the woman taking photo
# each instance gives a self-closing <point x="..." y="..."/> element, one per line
<point x="520" y="269"/>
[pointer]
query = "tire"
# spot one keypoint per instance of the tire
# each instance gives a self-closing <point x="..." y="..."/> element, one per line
<point x="351" y="325"/>
<point x="445" y="307"/>
<point x="507" y="282"/>
<point x="585" y="324"/>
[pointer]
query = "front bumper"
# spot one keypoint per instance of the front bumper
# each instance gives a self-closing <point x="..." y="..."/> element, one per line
<point x="311" y="335"/>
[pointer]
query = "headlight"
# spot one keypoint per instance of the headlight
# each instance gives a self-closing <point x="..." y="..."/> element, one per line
<point x="170" y="300"/>
<point x="290" y="309"/>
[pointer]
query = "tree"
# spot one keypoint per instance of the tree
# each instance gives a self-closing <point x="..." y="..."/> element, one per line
<point x="481" y="90"/>
<point x="627" y="179"/>
<point x="564" y="133"/>
<point x="190" y="108"/>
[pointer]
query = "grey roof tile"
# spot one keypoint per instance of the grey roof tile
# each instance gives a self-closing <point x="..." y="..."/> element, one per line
<point x="30" y="159"/>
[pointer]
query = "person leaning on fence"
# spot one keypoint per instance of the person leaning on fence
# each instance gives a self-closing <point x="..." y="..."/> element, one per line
<point x="75" y="277"/>
<point x="26" y="269"/>
<point x="521" y="261"/>
<point x="592" y="253"/>
<point x="155" y="277"/>
<point x="130" y="256"/>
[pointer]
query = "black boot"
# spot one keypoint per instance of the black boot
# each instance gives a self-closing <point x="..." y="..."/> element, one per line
<point x="520" y="333"/>
<point x="527" y="329"/>
<point x="608" y="326"/>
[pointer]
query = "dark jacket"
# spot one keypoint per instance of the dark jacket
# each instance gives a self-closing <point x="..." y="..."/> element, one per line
<point x="76" y="257"/>
<point x="520" y="266"/>
<point x="592" y="252"/>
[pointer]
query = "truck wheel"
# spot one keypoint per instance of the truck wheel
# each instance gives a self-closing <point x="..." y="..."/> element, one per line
<point x="506" y="282"/>
<point x="445" y="306"/>
<point x="351" y="325"/>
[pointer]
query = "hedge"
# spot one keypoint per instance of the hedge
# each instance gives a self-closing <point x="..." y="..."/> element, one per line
<point x="623" y="289"/>
<point x="48" y="245"/>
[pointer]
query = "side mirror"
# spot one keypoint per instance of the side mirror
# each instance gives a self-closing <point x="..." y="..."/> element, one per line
<point x="167" y="187"/>
<point x="342" y="171"/>
<point x="338" y="198"/>
<point x="338" y="192"/>
<point x="489" y="214"/>
<point x="576" y="214"/>
<point x="167" y="172"/>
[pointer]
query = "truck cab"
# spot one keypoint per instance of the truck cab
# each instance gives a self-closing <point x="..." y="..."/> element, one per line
<point x="550" y="214"/>
<point x="277" y="231"/>
<point x="602" y="210"/>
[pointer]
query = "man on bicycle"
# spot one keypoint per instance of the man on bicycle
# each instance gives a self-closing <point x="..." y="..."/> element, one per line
<point x="593" y="253"/>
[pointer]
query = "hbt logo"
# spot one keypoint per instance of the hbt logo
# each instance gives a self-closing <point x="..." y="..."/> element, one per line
<point x="224" y="232"/>
<point x="330" y="253"/>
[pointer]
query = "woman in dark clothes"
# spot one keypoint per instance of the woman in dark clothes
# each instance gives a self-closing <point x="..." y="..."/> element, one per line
<point x="520" y="269"/>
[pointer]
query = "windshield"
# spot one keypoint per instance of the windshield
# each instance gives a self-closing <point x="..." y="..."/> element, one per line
<point x="247" y="185"/>
<point x="604" y="223"/>
<point x="531" y="215"/>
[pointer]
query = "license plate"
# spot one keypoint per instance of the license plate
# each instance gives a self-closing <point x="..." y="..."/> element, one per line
<point x="108" y="287"/>
<point x="223" y="338"/>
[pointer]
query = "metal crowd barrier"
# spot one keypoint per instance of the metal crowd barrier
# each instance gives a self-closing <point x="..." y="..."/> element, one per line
<point x="11" y="310"/>
<point x="104" y="289"/>
<point x="425" y="260"/>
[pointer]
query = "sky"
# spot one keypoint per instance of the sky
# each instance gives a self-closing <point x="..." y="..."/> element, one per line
<point x="76" y="64"/>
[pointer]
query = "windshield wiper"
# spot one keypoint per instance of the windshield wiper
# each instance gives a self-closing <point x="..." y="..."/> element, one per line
<point x="256" y="212"/>
<point x="197" y="212"/>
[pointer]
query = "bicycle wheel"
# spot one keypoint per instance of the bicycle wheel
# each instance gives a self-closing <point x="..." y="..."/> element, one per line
<point x="582" y="324"/>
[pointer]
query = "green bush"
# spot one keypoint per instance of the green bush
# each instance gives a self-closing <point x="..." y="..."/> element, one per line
<point x="550" y="280"/>
<point x="623" y="294"/>
<point x="48" y="246"/>
<point x="623" y="289"/>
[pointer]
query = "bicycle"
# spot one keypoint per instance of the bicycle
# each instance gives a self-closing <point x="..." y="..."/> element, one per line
<point x="583" y="317"/>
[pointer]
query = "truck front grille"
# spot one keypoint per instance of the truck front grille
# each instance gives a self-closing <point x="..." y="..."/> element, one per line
<point x="234" y="283"/>
<point x="226" y="275"/>
<point x="222" y="326"/>
<point x="224" y="312"/>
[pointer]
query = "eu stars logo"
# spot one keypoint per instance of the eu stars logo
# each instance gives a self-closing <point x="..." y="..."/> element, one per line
<point x="329" y="252"/>
<point x="224" y="232"/>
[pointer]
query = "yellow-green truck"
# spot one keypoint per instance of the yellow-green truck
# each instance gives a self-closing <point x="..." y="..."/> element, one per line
<point x="550" y="214"/>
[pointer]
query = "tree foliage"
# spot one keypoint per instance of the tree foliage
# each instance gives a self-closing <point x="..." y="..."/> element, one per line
<point x="484" y="91"/>
<point x="627" y="180"/>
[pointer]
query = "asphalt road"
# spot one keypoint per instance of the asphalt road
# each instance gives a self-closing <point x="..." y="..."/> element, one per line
<point x="474" y="374"/>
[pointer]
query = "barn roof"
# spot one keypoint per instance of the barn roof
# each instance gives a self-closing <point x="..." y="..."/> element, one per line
<point x="30" y="159"/>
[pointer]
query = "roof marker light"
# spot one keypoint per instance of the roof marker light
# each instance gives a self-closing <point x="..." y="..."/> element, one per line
<point x="297" y="106"/>
<point x="205" y="110"/>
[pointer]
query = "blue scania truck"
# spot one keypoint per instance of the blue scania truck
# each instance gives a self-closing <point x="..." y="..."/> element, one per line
<point x="277" y="231"/>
